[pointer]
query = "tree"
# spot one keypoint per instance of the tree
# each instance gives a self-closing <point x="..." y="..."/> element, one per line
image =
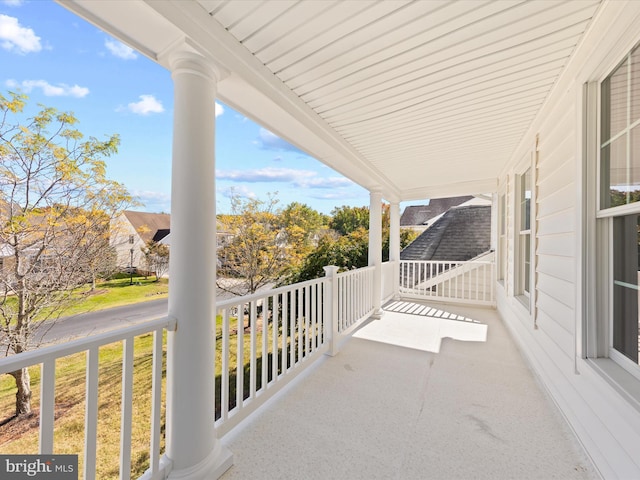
<point x="301" y="228"/>
<point x="99" y="259"/>
<point x="55" y="207"/>
<point x="345" y="220"/>
<point x="256" y="256"/>
<point x="349" y="250"/>
<point x="156" y="256"/>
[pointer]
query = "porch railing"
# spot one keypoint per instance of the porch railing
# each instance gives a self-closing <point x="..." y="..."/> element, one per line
<point x="457" y="282"/>
<point x="276" y="333"/>
<point x="47" y="358"/>
<point x="279" y="333"/>
<point x="355" y="297"/>
<point x="389" y="280"/>
<point x="263" y="341"/>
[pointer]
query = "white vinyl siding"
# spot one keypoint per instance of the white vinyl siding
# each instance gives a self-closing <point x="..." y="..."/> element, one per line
<point x="555" y="231"/>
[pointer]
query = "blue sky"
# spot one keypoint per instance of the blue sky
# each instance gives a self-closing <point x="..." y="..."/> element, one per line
<point x="61" y="61"/>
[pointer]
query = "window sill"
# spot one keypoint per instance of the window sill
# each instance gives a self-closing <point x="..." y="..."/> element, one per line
<point x="525" y="301"/>
<point x="622" y="381"/>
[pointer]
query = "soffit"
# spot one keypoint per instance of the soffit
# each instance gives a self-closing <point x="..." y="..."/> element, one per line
<point x="422" y="98"/>
<point x="427" y="92"/>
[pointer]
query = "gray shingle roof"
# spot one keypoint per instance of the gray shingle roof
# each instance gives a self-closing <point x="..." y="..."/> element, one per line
<point x="421" y="214"/>
<point x="462" y="233"/>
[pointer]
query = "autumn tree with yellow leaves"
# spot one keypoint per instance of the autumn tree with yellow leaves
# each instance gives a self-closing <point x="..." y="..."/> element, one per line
<point x="56" y="203"/>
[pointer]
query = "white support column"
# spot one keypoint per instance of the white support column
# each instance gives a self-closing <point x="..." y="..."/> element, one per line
<point x="191" y="443"/>
<point x="375" y="249"/>
<point x="394" y="246"/>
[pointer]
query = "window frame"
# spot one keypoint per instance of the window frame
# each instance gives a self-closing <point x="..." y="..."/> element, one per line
<point x="527" y="165"/>
<point x="503" y="258"/>
<point x="598" y="335"/>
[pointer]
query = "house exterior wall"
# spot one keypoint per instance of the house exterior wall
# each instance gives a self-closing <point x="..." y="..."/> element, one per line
<point x="602" y="407"/>
<point x="121" y="230"/>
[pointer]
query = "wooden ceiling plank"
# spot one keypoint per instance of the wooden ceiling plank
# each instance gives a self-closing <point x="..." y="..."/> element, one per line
<point x="467" y="85"/>
<point x="299" y="41"/>
<point x="424" y="77"/>
<point x="230" y="13"/>
<point x="457" y="48"/>
<point x="260" y="19"/>
<point x="446" y="121"/>
<point x="379" y="40"/>
<point x="467" y="100"/>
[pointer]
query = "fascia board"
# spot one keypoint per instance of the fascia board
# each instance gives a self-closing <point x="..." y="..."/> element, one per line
<point x="475" y="187"/>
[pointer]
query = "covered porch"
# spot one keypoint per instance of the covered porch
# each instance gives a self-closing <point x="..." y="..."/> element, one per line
<point x="411" y="100"/>
<point x="438" y="393"/>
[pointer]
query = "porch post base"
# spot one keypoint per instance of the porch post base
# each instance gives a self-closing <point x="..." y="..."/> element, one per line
<point x="377" y="314"/>
<point x="211" y="468"/>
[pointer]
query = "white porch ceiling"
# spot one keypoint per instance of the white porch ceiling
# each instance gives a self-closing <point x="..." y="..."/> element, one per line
<point x="418" y="98"/>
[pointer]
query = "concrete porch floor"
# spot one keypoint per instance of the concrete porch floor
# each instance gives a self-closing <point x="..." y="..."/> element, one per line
<point x="440" y="393"/>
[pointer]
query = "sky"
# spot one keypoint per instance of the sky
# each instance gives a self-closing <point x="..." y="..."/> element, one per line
<point x="61" y="61"/>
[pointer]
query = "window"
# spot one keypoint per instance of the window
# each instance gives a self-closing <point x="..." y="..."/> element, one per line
<point x="626" y="268"/>
<point x="523" y="275"/>
<point x="620" y="134"/>
<point x="502" y="234"/>
<point x="619" y="209"/>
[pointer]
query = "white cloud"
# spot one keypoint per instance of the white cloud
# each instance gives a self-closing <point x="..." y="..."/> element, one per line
<point x="153" y="201"/>
<point x="329" y="182"/>
<point x="120" y="50"/>
<point x="219" y="109"/>
<point x="298" y="178"/>
<point x="341" y="194"/>
<point x="270" y="141"/>
<point x="16" y="38"/>
<point x="147" y="104"/>
<point x="60" y="90"/>
<point x="265" y="175"/>
<point x="13" y="3"/>
<point x="238" y="191"/>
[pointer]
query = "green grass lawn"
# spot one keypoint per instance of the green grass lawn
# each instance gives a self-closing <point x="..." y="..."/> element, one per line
<point x="118" y="292"/>
<point x="107" y="294"/>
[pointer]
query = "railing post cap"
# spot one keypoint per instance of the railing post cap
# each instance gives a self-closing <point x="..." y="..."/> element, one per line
<point x="330" y="270"/>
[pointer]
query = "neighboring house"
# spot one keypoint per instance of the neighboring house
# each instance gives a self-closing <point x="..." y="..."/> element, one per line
<point x="460" y="234"/>
<point x="223" y="238"/>
<point x="419" y="217"/>
<point x="130" y="233"/>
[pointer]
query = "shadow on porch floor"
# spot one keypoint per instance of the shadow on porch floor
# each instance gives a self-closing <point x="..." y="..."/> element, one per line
<point x="439" y="393"/>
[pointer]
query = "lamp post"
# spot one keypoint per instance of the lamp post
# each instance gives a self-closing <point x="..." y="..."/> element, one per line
<point x="131" y="268"/>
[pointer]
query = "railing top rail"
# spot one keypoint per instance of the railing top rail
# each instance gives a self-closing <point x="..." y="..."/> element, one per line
<point x="460" y="262"/>
<point x="232" y="302"/>
<point x="15" y="362"/>
<point x="356" y="271"/>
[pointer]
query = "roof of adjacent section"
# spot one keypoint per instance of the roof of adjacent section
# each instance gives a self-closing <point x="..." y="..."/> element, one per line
<point x="149" y="225"/>
<point x="460" y="234"/>
<point x="421" y="214"/>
